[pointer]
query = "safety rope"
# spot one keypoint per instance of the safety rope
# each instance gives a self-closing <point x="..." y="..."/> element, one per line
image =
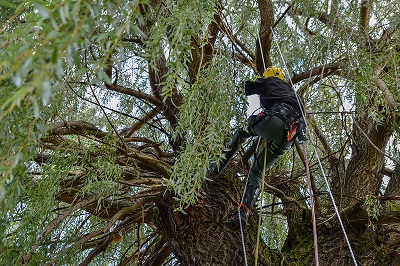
<point x="240" y="218"/>
<point x="263" y="173"/>
<point x="311" y="192"/>
<point x="261" y="51"/>
<point x="242" y="235"/>
<point x="319" y="162"/>
<point x="261" y="204"/>
<point x="243" y="243"/>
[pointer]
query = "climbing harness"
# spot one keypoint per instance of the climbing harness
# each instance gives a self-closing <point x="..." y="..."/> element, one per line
<point x="306" y="165"/>
<point x="325" y="179"/>
<point x="293" y="130"/>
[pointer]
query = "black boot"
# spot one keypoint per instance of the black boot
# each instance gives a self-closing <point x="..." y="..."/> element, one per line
<point x="249" y="199"/>
<point x="231" y="148"/>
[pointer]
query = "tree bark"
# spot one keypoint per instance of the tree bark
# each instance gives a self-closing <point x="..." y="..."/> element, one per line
<point x="393" y="187"/>
<point x="200" y="236"/>
<point x="264" y="40"/>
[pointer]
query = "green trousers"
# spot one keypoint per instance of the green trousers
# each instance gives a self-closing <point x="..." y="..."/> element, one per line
<point x="273" y="130"/>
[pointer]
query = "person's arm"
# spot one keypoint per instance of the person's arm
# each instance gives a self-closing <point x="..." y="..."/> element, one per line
<point x="254" y="87"/>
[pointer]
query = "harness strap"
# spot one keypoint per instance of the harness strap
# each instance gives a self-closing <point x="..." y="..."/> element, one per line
<point x="244" y="206"/>
<point x="274" y="149"/>
<point x="285" y="112"/>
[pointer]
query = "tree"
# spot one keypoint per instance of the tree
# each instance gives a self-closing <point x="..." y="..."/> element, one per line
<point x="112" y="111"/>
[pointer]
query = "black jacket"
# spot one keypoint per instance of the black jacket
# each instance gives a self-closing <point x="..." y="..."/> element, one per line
<point x="272" y="90"/>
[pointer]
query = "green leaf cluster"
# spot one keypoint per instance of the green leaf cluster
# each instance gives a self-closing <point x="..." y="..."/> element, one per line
<point x="45" y="42"/>
<point x="206" y="119"/>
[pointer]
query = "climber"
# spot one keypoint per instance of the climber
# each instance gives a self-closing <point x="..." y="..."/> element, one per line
<point x="280" y="123"/>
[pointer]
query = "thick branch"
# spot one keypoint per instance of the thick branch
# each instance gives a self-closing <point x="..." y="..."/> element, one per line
<point x="96" y="251"/>
<point x="76" y="127"/>
<point x="327" y="69"/>
<point x="159" y="253"/>
<point x="388" y="97"/>
<point x="170" y="105"/>
<point x="135" y="93"/>
<point x="393" y="188"/>
<point x="364" y="15"/>
<point x="163" y="168"/>
<point x="150" y="143"/>
<point x="202" y="54"/>
<point x="361" y="217"/>
<point x="263" y="59"/>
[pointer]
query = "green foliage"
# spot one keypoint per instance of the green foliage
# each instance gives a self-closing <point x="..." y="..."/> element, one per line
<point x="274" y="227"/>
<point x="36" y="211"/>
<point x="49" y="43"/>
<point x="205" y="127"/>
<point x="173" y="36"/>
<point x="373" y="208"/>
<point x="17" y="146"/>
<point x="38" y="54"/>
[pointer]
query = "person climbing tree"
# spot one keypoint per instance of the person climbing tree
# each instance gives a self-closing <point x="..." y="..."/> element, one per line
<point x="280" y="123"/>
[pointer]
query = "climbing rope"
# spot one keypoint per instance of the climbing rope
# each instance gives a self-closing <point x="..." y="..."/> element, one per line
<point x="314" y="222"/>
<point x="320" y="165"/>
<point x="240" y="219"/>
<point x="261" y="51"/>
<point x="243" y="243"/>
<point x="261" y="203"/>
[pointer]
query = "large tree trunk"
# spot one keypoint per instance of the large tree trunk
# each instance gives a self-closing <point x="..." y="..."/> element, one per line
<point x="200" y="236"/>
<point x="364" y="171"/>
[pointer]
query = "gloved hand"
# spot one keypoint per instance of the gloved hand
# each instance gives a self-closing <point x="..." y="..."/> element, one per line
<point x="301" y="133"/>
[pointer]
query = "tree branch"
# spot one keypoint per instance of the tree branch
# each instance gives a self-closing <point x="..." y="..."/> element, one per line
<point x="283" y="196"/>
<point x="238" y="45"/>
<point x="76" y="127"/>
<point x="364" y="16"/>
<point x="96" y="251"/>
<point x="121" y="214"/>
<point x="137" y="94"/>
<point x="388" y="97"/>
<point x="53" y="224"/>
<point x="372" y="143"/>
<point x="139" y="124"/>
<point x="385" y="217"/>
<point x="264" y="40"/>
<point x="393" y="187"/>
<point x="327" y="69"/>
<point x="152" y="144"/>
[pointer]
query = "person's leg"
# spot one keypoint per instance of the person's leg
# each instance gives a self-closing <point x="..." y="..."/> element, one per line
<point x="233" y="146"/>
<point x="274" y="131"/>
<point x="245" y="208"/>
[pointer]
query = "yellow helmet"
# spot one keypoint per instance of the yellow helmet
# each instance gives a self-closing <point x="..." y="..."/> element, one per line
<point x="274" y="71"/>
